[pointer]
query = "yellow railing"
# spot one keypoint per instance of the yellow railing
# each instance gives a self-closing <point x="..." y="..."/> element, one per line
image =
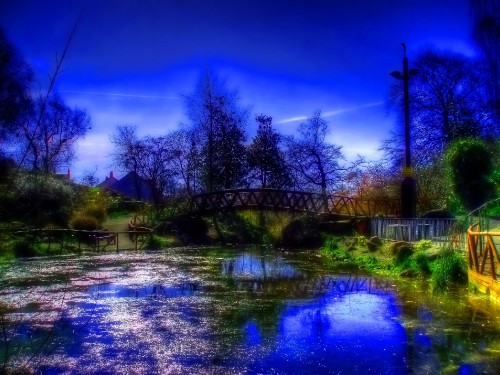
<point x="484" y="261"/>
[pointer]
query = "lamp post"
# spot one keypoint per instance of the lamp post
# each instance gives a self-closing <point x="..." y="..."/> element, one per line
<point x="408" y="184"/>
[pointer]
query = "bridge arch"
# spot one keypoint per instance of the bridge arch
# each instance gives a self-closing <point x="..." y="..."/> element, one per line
<point x="290" y="200"/>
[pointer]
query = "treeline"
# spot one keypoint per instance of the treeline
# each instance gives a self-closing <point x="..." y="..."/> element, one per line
<point x="212" y="152"/>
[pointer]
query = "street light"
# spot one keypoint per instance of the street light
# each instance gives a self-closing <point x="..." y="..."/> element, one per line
<point x="408" y="185"/>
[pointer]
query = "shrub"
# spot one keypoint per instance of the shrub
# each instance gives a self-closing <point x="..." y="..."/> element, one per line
<point x="420" y="262"/>
<point x="334" y="251"/>
<point x="97" y="212"/>
<point x="84" y="223"/>
<point x="155" y="242"/>
<point x="450" y="268"/>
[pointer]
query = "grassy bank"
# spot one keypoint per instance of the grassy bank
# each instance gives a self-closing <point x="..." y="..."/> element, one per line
<point x="442" y="266"/>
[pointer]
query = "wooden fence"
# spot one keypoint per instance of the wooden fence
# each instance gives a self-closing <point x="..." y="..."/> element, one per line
<point x="97" y="240"/>
<point x="412" y="230"/>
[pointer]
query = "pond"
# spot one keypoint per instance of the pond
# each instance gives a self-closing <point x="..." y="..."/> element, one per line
<point x="235" y="311"/>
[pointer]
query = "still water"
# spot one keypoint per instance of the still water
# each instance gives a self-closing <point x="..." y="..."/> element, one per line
<point x="234" y="311"/>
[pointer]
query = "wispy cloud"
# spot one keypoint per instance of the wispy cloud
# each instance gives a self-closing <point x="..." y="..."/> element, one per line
<point x="121" y="95"/>
<point x="331" y="113"/>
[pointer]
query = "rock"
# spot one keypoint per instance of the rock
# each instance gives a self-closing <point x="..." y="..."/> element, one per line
<point x="408" y="273"/>
<point x="401" y="251"/>
<point x="374" y="243"/>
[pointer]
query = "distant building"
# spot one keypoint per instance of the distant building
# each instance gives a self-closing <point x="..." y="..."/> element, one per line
<point x="130" y="186"/>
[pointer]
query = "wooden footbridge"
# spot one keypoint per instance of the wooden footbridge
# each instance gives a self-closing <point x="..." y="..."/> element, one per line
<point x="290" y="200"/>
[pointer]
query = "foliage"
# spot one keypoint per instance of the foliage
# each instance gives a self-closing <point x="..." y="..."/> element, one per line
<point x="83" y="222"/>
<point x="470" y="165"/>
<point x="156" y="242"/>
<point x="422" y="245"/>
<point x="266" y="161"/>
<point x="333" y="249"/>
<point x="37" y="199"/>
<point x="93" y="203"/>
<point x="450" y="268"/>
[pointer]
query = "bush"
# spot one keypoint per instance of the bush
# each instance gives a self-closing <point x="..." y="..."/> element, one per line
<point x="24" y="248"/>
<point x="450" y="268"/>
<point x="334" y="251"/>
<point x="84" y="223"/>
<point x="420" y="262"/>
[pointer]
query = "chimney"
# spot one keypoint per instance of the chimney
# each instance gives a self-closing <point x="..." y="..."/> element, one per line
<point x="111" y="174"/>
<point x="69" y="174"/>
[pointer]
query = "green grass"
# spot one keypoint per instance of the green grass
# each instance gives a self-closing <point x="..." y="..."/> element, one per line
<point x="450" y="268"/>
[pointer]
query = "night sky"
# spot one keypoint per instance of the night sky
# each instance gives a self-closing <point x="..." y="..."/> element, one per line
<point x="131" y="61"/>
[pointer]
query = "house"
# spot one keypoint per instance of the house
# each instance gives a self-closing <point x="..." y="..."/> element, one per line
<point x="131" y="186"/>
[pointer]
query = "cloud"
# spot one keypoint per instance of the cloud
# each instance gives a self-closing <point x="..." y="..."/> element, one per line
<point x="120" y="95"/>
<point x="331" y="113"/>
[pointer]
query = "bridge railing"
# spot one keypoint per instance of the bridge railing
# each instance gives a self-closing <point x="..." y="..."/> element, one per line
<point x="290" y="200"/>
<point x="483" y="260"/>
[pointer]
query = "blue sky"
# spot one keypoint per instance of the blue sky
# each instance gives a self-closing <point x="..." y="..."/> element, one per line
<point x="131" y="61"/>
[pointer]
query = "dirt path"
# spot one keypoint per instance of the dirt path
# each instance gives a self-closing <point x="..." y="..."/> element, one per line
<point x="120" y="225"/>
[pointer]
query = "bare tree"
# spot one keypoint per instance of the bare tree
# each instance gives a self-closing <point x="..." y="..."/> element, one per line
<point x="16" y="77"/>
<point x="486" y="15"/>
<point x="315" y="162"/>
<point x="186" y="160"/>
<point x="446" y="103"/>
<point x="128" y="152"/>
<point x="50" y="141"/>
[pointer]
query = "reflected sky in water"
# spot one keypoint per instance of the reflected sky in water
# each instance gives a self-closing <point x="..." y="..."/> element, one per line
<point x="191" y="311"/>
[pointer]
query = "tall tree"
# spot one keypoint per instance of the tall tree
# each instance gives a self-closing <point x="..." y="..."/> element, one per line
<point x="154" y="166"/>
<point x="486" y="15"/>
<point x="314" y="161"/>
<point x="16" y="78"/>
<point x="51" y="134"/>
<point x="266" y="161"/>
<point x="128" y="152"/>
<point x="219" y="120"/>
<point x="446" y="103"/>
<point x="186" y="159"/>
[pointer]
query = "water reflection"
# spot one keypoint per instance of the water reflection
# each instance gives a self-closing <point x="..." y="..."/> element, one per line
<point x="197" y="312"/>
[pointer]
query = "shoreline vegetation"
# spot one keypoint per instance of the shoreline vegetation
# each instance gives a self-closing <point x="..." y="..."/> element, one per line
<point x="441" y="265"/>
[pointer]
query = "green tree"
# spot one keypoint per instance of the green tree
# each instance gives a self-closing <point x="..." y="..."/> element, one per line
<point x="266" y="161"/>
<point x="219" y="121"/>
<point x="470" y="166"/>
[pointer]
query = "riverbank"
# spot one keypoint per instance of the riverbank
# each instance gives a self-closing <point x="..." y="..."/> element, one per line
<point x="441" y="265"/>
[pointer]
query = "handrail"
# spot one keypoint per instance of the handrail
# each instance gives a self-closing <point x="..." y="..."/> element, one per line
<point x="482" y="252"/>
